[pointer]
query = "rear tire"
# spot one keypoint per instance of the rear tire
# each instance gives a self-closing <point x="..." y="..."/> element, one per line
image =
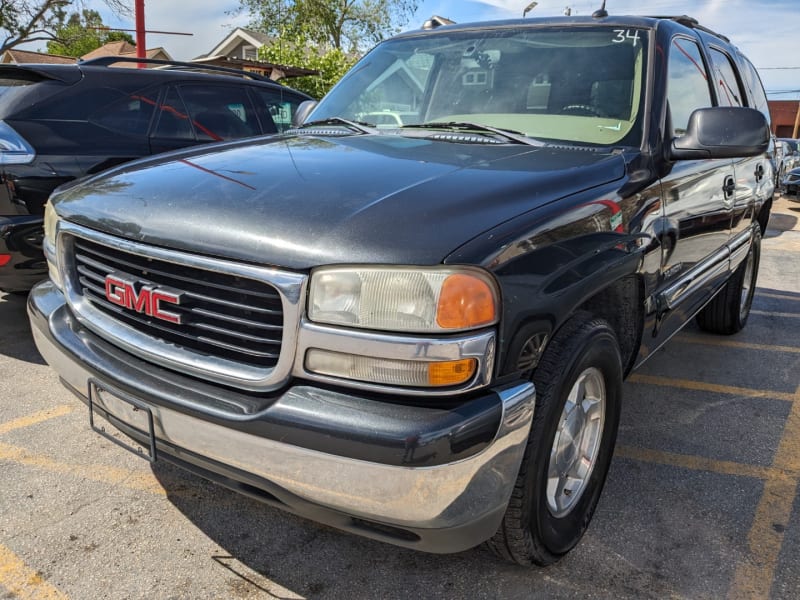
<point x="578" y="396"/>
<point x="727" y="313"/>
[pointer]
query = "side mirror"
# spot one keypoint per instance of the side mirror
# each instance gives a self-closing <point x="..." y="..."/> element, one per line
<point x="722" y="132"/>
<point x="302" y="112"/>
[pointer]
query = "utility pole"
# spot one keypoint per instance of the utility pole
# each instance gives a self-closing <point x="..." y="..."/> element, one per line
<point x="796" y="121"/>
<point x="141" y="45"/>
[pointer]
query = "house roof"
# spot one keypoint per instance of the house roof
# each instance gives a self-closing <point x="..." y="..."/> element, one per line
<point x="271" y="70"/>
<point x="119" y="48"/>
<point x="236" y="37"/>
<point x="126" y="49"/>
<point x="26" y="56"/>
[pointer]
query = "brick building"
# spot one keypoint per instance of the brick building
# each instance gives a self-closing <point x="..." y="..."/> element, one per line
<point x="785" y="114"/>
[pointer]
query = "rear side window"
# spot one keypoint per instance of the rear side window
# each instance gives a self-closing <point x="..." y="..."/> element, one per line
<point x="728" y="91"/>
<point x="173" y="119"/>
<point x="130" y="115"/>
<point x="281" y="107"/>
<point x="753" y="82"/>
<point x="10" y="89"/>
<point x="9" y="85"/>
<point x="220" y="112"/>
<point x="687" y="84"/>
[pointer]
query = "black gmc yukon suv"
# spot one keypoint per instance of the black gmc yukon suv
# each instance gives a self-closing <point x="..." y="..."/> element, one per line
<point x="410" y="316"/>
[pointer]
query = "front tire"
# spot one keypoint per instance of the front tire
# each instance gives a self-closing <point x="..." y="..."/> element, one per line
<point x="727" y="313"/>
<point x="578" y="396"/>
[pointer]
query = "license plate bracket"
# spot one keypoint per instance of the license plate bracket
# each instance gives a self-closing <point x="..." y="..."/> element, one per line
<point x="107" y="405"/>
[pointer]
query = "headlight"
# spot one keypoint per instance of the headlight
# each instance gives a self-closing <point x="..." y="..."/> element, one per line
<point x="403" y="299"/>
<point x="49" y="244"/>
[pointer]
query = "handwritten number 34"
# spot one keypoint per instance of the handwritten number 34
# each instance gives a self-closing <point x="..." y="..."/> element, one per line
<point x="624" y="35"/>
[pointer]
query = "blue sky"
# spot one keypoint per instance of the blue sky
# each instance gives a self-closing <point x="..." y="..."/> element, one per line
<point x="767" y="31"/>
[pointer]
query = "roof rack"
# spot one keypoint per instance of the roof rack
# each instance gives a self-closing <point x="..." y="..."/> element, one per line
<point x="692" y="23"/>
<point x="104" y="61"/>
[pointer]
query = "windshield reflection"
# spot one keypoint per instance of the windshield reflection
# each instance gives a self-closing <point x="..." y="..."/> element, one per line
<point x="572" y="85"/>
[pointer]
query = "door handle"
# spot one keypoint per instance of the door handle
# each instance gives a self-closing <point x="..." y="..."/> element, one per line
<point x="729" y="187"/>
<point x="759" y="172"/>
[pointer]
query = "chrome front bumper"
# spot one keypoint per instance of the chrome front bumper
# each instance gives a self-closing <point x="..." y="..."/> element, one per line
<point x="442" y="508"/>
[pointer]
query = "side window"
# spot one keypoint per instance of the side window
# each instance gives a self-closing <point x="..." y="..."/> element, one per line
<point x="753" y="82"/>
<point x="173" y="121"/>
<point x="687" y="83"/>
<point x="728" y="91"/>
<point x="220" y="112"/>
<point x="281" y="107"/>
<point x="130" y="115"/>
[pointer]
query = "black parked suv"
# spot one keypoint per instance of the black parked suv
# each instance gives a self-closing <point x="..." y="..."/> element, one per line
<point x="411" y="316"/>
<point x="61" y="122"/>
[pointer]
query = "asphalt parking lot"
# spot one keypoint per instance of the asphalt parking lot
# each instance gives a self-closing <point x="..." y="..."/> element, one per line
<point x="702" y="499"/>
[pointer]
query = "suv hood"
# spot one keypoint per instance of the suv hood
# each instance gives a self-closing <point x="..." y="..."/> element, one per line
<point x="299" y="202"/>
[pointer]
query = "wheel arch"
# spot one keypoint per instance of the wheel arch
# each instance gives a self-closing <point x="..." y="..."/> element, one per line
<point x="619" y="300"/>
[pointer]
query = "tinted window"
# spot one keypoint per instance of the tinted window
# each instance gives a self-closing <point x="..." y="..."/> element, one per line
<point x="220" y="112"/>
<point x="280" y="107"/>
<point x="130" y="115"/>
<point x="728" y="91"/>
<point x="687" y="83"/>
<point x="753" y="82"/>
<point x="9" y="84"/>
<point x="173" y="120"/>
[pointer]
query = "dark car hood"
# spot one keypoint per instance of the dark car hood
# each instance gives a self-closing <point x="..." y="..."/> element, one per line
<point x="298" y="202"/>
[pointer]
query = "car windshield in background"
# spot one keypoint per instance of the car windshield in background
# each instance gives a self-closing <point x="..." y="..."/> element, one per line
<point x="579" y="86"/>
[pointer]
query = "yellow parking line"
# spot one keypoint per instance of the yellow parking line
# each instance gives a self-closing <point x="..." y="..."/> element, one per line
<point x="695" y="463"/>
<point x="714" y="341"/>
<point x="134" y="480"/>
<point x="777" y="296"/>
<point x="702" y="386"/>
<point x="36" y="418"/>
<point x="754" y="576"/>
<point x="23" y="582"/>
<point x="775" y="314"/>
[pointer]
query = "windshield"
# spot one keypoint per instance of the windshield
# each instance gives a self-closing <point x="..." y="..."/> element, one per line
<point x="582" y="85"/>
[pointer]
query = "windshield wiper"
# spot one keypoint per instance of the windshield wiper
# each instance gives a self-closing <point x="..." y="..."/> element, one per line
<point x="359" y="126"/>
<point x="508" y="134"/>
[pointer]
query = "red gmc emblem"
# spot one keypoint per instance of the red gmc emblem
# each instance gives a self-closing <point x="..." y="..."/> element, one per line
<point x="148" y="299"/>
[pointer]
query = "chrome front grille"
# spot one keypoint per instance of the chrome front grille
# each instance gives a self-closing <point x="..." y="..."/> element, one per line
<point x="233" y="323"/>
<point x="221" y="314"/>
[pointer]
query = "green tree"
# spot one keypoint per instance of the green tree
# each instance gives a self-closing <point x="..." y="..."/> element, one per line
<point x="331" y="64"/>
<point x="27" y="21"/>
<point x="81" y="33"/>
<point x="23" y="21"/>
<point x="348" y="25"/>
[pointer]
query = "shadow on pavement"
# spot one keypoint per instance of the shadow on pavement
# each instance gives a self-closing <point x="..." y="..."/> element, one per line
<point x="15" y="331"/>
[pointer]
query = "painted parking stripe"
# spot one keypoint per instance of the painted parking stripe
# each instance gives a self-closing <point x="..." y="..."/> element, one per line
<point x="135" y="480"/>
<point x="702" y="386"/>
<point x="713" y="341"/>
<point x="754" y="576"/>
<point x="22" y="582"/>
<point x="761" y="294"/>
<point x="36" y="418"/>
<point x="775" y="314"/>
<point x="689" y="461"/>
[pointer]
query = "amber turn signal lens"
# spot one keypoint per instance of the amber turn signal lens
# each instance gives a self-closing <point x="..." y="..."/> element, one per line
<point x="465" y="302"/>
<point x="453" y="372"/>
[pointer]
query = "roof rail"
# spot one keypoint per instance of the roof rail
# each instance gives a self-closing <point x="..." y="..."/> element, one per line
<point x="104" y="61"/>
<point x="692" y="23"/>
